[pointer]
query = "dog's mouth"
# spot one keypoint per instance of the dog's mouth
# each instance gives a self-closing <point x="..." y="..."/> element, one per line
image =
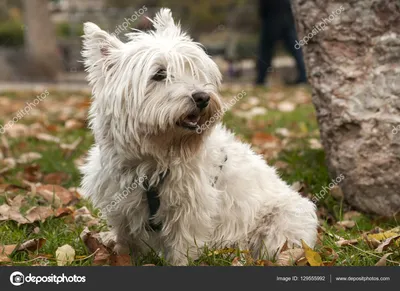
<point x="190" y="121"/>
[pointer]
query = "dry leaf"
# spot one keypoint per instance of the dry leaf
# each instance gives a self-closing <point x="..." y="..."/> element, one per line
<point x="346" y="223"/>
<point x="29" y="158"/>
<point x="313" y="258"/>
<point x="289" y="257"/>
<point x="5" y="252"/>
<point x="286" y="106"/>
<point x="382" y="261"/>
<point x="384" y="245"/>
<point x="56" y="194"/>
<point x="236" y="262"/>
<point x="56" y="178"/>
<point x="350" y="215"/>
<point x="93" y="244"/>
<point x="32" y="245"/>
<point x="72" y="124"/>
<point x="120" y="260"/>
<point x="48" y="138"/>
<point x="344" y="242"/>
<point x="65" y="255"/>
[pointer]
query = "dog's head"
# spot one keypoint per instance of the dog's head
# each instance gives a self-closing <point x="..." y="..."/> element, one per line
<point x="154" y="90"/>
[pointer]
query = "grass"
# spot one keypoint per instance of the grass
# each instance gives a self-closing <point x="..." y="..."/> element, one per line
<point x="302" y="164"/>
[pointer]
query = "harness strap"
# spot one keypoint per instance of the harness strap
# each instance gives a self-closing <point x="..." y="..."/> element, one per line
<point x="153" y="199"/>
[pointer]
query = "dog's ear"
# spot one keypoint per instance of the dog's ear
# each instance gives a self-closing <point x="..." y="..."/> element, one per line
<point x="163" y="20"/>
<point x="99" y="50"/>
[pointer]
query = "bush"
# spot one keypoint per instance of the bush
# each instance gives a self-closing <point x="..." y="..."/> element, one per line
<point x="11" y="33"/>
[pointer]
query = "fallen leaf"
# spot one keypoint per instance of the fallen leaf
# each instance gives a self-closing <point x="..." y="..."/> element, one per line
<point x="350" y="215"/>
<point x="5" y="252"/>
<point x="286" y="106"/>
<point x="56" y="194"/>
<point x="385" y="244"/>
<point x="83" y="215"/>
<point x="313" y="258"/>
<point x="297" y="186"/>
<point x="344" y="242"/>
<point x="120" y="260"/>
<point x="93" y="244"/>
<point x="32" y="245"/>
<point x="346" y="223"/>
<point x="56" y="178"/>
<point x="384" y="235"/>
<point x="29" y="157"/>
<point x="236" y="262"/>
<point x="48" y="138"/>
<point x="382" y="261"/>
<point x="65" y="255"/>
<point x="72" y="124"/>
<point x="289" y="257"/>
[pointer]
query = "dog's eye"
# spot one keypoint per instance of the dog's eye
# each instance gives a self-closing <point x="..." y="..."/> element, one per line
<point x="160" y="75"/>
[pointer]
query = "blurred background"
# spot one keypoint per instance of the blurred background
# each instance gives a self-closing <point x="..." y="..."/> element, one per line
<point x="40" y="40"/>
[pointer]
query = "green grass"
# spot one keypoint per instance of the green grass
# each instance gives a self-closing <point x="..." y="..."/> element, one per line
<point x="303" y="164"/>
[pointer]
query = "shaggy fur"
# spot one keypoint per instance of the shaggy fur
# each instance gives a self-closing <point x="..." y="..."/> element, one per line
<point x="215" y="191"/>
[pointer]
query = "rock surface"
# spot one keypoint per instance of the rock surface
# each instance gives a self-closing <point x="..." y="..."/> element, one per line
<point x="354" y="68"/>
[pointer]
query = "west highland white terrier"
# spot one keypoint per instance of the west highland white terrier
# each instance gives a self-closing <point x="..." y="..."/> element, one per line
<point x="160" y="182"/>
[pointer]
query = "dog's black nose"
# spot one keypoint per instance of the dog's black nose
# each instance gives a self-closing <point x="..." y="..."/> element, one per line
<point x="201" y="99"/>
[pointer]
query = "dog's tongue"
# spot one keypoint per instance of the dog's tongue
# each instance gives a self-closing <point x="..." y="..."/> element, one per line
<point x="192" y="119"/>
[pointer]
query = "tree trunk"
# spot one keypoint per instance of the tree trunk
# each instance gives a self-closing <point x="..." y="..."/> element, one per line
<point x="40" y="41"/>
<point x="354" y="68"/>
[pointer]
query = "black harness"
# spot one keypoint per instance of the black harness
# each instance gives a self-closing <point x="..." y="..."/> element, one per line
<point x="153" y="199"/>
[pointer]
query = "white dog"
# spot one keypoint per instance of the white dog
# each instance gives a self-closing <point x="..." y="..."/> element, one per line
<point x="181" y="189"/>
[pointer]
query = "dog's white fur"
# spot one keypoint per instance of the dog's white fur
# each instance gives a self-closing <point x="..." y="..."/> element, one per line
<point x="135" y="121"/>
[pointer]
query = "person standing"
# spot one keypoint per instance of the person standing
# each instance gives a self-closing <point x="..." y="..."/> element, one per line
<point x="277" y="23"/>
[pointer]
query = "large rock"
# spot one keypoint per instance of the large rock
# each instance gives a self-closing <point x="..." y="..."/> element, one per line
<point x="354" y="68"/>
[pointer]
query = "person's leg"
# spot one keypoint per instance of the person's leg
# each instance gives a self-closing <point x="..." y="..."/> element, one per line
<point x="268" y="37"/>
<point x="289" y="40"/>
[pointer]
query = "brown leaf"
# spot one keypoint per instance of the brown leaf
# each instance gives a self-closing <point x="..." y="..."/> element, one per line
<point x="120" y="260"/>
<point x="265" y="140"/>
<point x="32" y="173"/>
<point x="34" y="214"/>
<point x="289" y="257"/>
<point x="344" y="242"/>
<point x="5" y="252"/>
<point x="350" y="215"/>
<point x="56" y="178"/>
<point x="346" y="223"/>
<point x="236" y="262"/>
<point x="32" y="245"/>
<point x="73" y="124"/>
<point x="56" y="194"/>
<point x="93" y="244"/>
<point x="29" y="157"/>
<point x="382" y="261"/>
<point x="385" y="244"/>
<point x="48" y="138"/>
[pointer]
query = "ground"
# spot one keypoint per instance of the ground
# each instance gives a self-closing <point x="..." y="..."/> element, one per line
<point x="47" y="144"/>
